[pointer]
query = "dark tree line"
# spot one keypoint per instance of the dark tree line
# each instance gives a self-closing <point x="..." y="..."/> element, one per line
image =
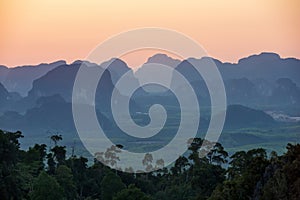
<point x="39" y="174"/>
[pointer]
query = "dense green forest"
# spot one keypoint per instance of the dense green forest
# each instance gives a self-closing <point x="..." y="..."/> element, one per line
<point x="46" y="173"/>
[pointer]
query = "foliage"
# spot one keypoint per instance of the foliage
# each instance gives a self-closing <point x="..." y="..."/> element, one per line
<point x="111" y="185"/>
<point x="131" y="193"/>
<point x="207" y="172"/>
<point x="46" y="188"/>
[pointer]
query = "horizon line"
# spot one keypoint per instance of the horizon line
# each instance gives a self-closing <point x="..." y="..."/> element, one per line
<point x="136" y="67"/>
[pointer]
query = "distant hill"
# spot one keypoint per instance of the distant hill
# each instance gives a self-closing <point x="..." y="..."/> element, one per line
<point x="19" y="79"/>
<point x="50" y="113"/>
<point x="263" y="81"/>
<point x="267" y="66"/>
<point x="163" y="59"/>
<point x="61" y="80"/>
<point x="256" y="81"/>
<point x="7" y="99"/>
<point x="238" y="116"/>
<point x="255" y="84"/>
<point x="53" y="113"/>
<point x="117" y="68"/>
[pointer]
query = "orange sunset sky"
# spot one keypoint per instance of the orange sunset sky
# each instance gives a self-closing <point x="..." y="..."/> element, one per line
<point x="35" y="31"/>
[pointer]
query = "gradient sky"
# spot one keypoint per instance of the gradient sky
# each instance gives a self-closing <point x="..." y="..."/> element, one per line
<point x="35" y="31"/>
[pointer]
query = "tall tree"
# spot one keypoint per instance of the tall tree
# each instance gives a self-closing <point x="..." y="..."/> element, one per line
<point x="131" y="193"/>
<point x="111" y="185"/>
<point x="9" y="175"/>
<point x="46" y="188"/>
<point x="64" y="177"/>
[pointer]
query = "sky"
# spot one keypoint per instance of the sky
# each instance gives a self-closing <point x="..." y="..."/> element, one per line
<point x="36" y="31"/>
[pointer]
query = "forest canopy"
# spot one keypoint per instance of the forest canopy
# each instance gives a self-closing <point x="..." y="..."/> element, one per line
<point x="47" y="173"/>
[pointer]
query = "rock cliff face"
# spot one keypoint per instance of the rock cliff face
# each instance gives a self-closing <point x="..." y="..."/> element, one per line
<point x="20" y="79"/>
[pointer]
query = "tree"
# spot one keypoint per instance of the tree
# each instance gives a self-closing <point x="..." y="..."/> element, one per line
<point x="250" y="174"/>
<point x="285" y="182"/>
<point x="79" y="171"/>
<point x="59" y="153"/>
<point x="110" y="156"/>
<point x="35" y="157"/>
<point x="205" y="178"/>
<point x="111" y="185"/>
<point x="245" y="171"/>
<point x="46" y="188"/>
<point x="180" y="165"/>
<point x="131" y="193"/>
<point x="147" y="162"/>
<point x="177" y="192"/>
<point x="51" y="163"/>
<point x="217" y="155"/>
<point x="56" y="138"/>
<point x="64" y="177"/>
<point x="194" y="144"/>
<point x="9" y="175"/>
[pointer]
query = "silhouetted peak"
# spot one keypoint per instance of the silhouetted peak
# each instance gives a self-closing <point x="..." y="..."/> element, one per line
<point x="42" y="65"/>
<point x="77" y="62"/>
<point x="211" y="59"/>
<point x="115" y="64"/>
<point x="163" y="59"/>
<point x="184" y="63"/>
<point x="59" y="62"/>
<point x="3" y="67"/>
<point x="262" y="57"/>
<point x="84" y="62"/>
<point x="200" y="62"/>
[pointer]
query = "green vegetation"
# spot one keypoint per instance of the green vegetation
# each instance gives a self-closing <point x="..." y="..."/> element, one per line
<point x="47" y="173"/>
